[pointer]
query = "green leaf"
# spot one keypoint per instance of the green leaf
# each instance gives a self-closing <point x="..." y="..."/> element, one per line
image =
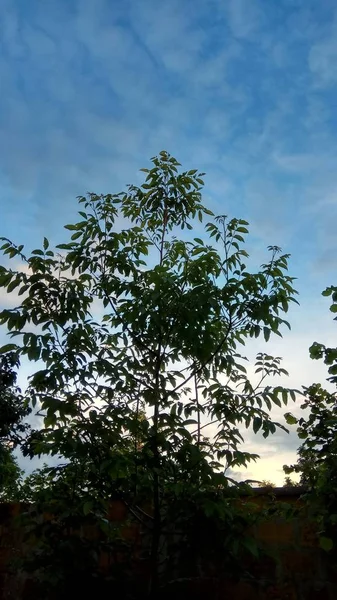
<point x="190" y="422"/>
<point x="87" y="507"/>
<point x="316" y="351"/>
<point x="8" y="348"/>
<point x="290" y="419"/>
<point x="276" y="400"/>
<point x="45" y="244"/>
<point x="251" y="545"/>
<point x="14" y="284"/>
<point x="257" y="424"/>
<point x="50" y="420"/>
<point x="266" y="333"/>
<point x="292" y="395"/>
<point x="333" y="308"/>
<point x="285" y="396"/>
<point x="326" y="543"/>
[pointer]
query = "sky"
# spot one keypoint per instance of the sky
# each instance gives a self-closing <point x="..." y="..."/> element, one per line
<point x="244" y="90"/>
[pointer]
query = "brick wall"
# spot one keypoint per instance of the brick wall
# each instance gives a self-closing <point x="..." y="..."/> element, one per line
<point x="291" y="566"/>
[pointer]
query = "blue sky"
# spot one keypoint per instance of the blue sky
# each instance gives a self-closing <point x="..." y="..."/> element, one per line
<point x="242" y="89"/>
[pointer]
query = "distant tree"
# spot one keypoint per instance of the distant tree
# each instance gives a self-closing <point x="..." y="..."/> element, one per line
<point x="288" y="482"/>
<point x="265" y="483"/>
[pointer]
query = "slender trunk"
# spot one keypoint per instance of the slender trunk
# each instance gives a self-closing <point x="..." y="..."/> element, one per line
<point x="157" y="525"/>
<point x="198" y="410"/>
<point x="156" y="532"/>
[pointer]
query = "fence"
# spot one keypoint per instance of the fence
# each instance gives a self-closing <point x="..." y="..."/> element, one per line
<point x="291" y="567"/>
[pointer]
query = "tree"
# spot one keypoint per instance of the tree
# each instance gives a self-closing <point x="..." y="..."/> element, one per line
<point x="265" y="483"/>
<point x="136" y="314"/>
<point x="317" y="455"/>
<point x="13" y="427"/>
<point x="290" y="483"/>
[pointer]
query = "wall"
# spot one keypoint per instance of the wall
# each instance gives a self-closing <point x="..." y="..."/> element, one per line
<point x="292" y="566"/>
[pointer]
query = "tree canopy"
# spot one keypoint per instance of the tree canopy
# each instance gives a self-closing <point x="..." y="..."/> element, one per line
<point x="135" y="325"/>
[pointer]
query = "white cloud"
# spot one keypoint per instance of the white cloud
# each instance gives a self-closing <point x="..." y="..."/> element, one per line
<point x="300" y="163"/>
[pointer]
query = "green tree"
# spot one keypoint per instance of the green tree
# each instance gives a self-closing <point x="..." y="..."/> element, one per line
<point x="137" y="314"/>
<point x="317" y="454"/>
<point x="288" y="482"/>
<point x="13" y="427"/>
<point x="267" y="484"/>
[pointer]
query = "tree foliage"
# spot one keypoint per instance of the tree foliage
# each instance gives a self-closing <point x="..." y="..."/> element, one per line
<point x="317" y="454"/>
<point x="266" y="483"/>
<point x="135" y="326"/>
<point x="13" y="427"/>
